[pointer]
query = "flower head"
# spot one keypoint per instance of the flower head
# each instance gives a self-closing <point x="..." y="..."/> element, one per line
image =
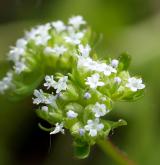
<point x="94" y="82"/>
<point x="58" y="128"/>
<point x="93" y="127"/>
<point x="84" y="50"/>
<point x="61" y="84"/>
<point x="59" y="26"/>
<point x="76" y="21"/>
<point x="49" y="82"/>
<point x="74" y="38"/>
<point x="58" y="50"/>
<point x="114" y="63"/>
<point x="6" y="82"/>
<point x="71" y="114"/>
<point x="135" y="84"/>
<point x="99" y="110"/>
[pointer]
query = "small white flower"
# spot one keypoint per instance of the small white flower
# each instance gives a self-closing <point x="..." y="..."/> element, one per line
<point x="84" y="50"/>
<point x="61" y="84"/>
<point x="59" y="26"/>
<point x="42" y="39"/>
<point x="40" y="98"/>
<point x="81" y="131"/>
<point x="57" y="50"/>
<point x="117" y="80"/>
<point x="93" y="127"/>
<point x="114" y="63"/>
<point x="74" y="38"/>
<point x="99" y="110"/>
<point x="135" y="84"/>
<point x="15" y="53"/>
<point x="44" y="108"/>
<point x="76" y="21"/>
<point x="108" y="70"/>
<point x="21" y="43"/>
<point x="6" y="82"/>
<point x="94" y="82"/>
<point x="87" y="95"/>
<point x="19" y="67"/>
<point x="86" y="63"/>
<point x="50" y="99"/>
<point x="49" y="82"/>
<point x="39" y="34"/>
<point x="58" y="128"/>
<point x="71" y="114"/>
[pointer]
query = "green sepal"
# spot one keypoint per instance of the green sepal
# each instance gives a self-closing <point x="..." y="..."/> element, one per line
<point x="70" y="94"/>
<point x="50" y="117"/>
<point x="81" y="149"/>
<point x="134" y="96"/>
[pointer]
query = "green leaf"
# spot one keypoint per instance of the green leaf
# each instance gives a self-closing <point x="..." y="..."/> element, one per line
<point x="116" y="124"/>
<point x="124" y="61"/>
<point x="134" y="96"/>
<point x="81" y="149"/>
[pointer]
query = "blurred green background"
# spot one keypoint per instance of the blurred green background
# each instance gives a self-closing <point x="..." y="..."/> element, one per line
<point x="126" y="25"/>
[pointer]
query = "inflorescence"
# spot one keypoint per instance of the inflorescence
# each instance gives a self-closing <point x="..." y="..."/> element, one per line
<point x="78" y="90"/>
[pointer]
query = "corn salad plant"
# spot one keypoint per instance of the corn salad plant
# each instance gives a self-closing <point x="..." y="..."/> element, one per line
<point x="72" y="89"/>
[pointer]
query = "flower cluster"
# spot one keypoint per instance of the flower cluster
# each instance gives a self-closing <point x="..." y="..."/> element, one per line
<point x="78" y="90"/>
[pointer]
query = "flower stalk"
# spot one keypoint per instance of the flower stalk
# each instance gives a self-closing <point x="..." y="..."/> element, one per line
<point x="118" y="156"/>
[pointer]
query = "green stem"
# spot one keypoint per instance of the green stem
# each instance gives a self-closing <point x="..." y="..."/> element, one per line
<point x="116" y="154"/>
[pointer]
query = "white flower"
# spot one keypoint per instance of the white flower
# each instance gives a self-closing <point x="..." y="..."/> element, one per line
<point x="135" y="84"/>
<point x="94" y="82"/>
<point x="39" y="30"/>
<point x="84" y="50"/>
<point x="108" y="70"/>
<point x="86" y="63"/>
<point x="89" y="64"/>
<point x="81" y="131"/>
<point x="93" y="127"/>
<point x="117" y="80"/>
<point x="15" y="53"/>
<point x="40" y="98"/>
<point x="58" y="50"/>
<point x="44" y="108"/>
<point x="114" y="63"/>
<point x="61" y="84"/>
<point x="57" y="129"/>
<point x="49" y="82"/>
<point x="19" y="67"/>
<point x="59" y="26"/>
<point x="50" y="99"/>
<point x="76" y="21"/>
<point x="39" y="34"/>
<point x="71" y="114"/>
<point x="21" y="43"/>
<point x="87" y="95"/>
<point x="99" y="110"/>
<point x="74" y="38"/>
<point x="6" y="82"/>
<point x="42" y="39"/>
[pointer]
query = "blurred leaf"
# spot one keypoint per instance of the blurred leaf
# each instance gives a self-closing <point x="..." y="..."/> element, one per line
<point x="81" y="149"/>
<point x="124" y="60"/>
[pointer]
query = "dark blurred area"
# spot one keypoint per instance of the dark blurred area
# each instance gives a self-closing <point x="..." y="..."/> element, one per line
<point x="126" y="25"/>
